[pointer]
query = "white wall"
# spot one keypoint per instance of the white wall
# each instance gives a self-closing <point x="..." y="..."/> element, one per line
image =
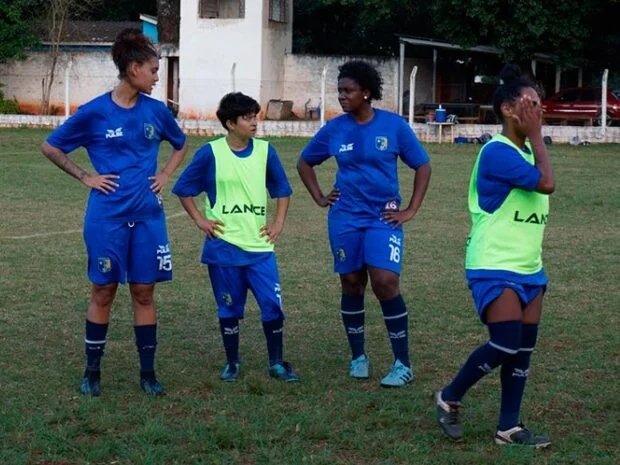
<point x="210" y="48"/>
<point x="92" y="73"/>
<point x="303" y="81"/>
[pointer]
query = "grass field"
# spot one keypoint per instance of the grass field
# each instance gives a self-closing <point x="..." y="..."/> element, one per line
<point x="327" y="418"/>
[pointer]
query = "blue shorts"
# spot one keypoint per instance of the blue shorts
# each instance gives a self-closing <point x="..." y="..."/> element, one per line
<point x="136" y="252"/>
<point x="485" y="291"/>
<point x="231" y="283"/>
<point x="375" y="244"/>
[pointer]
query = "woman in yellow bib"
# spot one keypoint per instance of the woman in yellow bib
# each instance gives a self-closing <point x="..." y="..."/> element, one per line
<point x="509" y="207"/>
<point x="236" y="172"/>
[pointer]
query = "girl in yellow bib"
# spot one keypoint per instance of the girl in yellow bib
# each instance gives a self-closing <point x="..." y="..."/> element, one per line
<point x="509" y="207"/>
<point x="236" y="172"/>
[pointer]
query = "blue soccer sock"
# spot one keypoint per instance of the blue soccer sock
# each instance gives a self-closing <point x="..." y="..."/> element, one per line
<point x="273" y="330"/>
<point x="146" y="343"/>
<point x="397" y="324"/>
<point x="94" y="343"/>
<point x="514" y="375"/>
<point x="229" y="328"/>
<point x="504" y="342"/>
<point x="353" y="317"/>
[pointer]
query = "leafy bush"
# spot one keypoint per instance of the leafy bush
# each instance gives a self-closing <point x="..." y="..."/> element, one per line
<point x="8" y="107"/>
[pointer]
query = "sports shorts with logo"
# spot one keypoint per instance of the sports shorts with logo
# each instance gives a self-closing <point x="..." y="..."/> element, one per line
<point x="355" y="242"/>
<point x="135" y="252"/>
<point x="231" y="284"/>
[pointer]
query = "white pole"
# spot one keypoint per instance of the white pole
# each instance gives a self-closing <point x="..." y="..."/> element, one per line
<point x="232" y="77"/>
<point x="401" y="77"/>
<point x="322" y="102"/>
<point x="67" y="76"/>
<point x="412" y="94"/>
<point x="604" y="101"/>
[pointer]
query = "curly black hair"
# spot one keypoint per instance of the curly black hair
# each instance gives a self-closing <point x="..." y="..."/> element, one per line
<point x="234" y="105"/>
<point x="365" y="75"/>
<point x="513" y="82"/>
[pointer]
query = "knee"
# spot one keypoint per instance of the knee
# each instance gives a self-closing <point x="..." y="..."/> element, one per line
<point x="142" y="297"/>
<point x="103" y="296"/>
<point x="386" y="288"/>
<point x="352" y="286"/>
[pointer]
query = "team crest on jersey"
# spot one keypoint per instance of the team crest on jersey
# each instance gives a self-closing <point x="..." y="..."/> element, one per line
<point x="381" y="143"/>
<point x="341" y="255"/>
<point x="149" y="131"/>
<point x="104" y="264"/>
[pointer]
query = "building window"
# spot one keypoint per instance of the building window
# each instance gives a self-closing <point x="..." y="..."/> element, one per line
<point x="222" y="9"/>
<point x="277" y="10"/>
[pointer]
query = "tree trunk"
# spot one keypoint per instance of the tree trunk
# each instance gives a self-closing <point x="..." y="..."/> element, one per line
<point x="168" y="20"/>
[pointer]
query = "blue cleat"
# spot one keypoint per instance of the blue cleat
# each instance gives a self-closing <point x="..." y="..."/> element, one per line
<point x="398" y="376"/>
<point x="91" y="385"/>
<point x="150" y="385"/>
<point x="230" y="373"/>
<point x="284" y="372"/>
<point x="359" y="368"/>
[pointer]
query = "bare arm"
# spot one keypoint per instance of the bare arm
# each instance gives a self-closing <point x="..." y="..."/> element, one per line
<point x="210" y="228"/>
<point x="161" y="179"/>
<point x="102" y="182"/>
<point x="272" y="231"/>
<point x="308" y="177"/>
<point x="420" y="185"/>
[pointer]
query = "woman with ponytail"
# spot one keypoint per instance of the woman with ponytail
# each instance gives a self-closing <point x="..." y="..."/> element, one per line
<point x="124" y="226"/>
<point x="509" y="207"/>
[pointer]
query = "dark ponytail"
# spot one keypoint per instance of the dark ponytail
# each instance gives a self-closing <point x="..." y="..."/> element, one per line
<point x="130" y="46"/>
<point x="513" y="81"/>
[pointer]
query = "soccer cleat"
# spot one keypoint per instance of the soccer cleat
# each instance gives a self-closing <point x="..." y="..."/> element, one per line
<point x="91" y="385"/>
<point x="359" y="367"/>
<point x="398" y="376"/>
<point x="151" y="386"/>
<point x="284" y="372"/>
<point x="448" y="417"/>
<point x="520" y="435"/>
<point x="230" y="373"/>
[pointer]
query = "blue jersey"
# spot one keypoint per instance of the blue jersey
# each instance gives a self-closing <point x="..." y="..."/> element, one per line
<point x="366" y="155"/>
<point x="501" y="169"/>
<point x="199" y="177"/>
<point x="125" y="142"/>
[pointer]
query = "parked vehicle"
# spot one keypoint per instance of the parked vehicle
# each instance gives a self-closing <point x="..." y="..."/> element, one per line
<point x="582" y="103"/>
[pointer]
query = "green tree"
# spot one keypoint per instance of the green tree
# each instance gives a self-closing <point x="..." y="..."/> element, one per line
<point x="520" y="28"/>
<point x="15" y="32"/>
<point x="354" y="26"/>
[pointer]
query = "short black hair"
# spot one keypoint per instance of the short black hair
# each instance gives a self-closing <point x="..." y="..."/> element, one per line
<point x="234" y="105"/>
<point x="513" y="81"/>
<point x="365" y="75"/>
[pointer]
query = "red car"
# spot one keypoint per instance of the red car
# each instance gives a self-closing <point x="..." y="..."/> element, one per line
<point x="582" y="103"/>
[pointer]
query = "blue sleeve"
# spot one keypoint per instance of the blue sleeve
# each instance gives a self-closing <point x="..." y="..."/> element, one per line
<point x="500" y="170"/>
<point x="317" y="150"/>
<point x="501" y="163"/>
<point x="170" y="129"/>
<point x="73" y="133"/>
<point x="277" y="181"/>
<point x="198" y="176"/>
<point x="412" y="153"/>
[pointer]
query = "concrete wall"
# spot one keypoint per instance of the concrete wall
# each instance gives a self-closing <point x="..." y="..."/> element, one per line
<point x="224" y="55"/>
<point x="559" y="134"/>
<point x="92" y="72"/>
<point x="303" y="81"/>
